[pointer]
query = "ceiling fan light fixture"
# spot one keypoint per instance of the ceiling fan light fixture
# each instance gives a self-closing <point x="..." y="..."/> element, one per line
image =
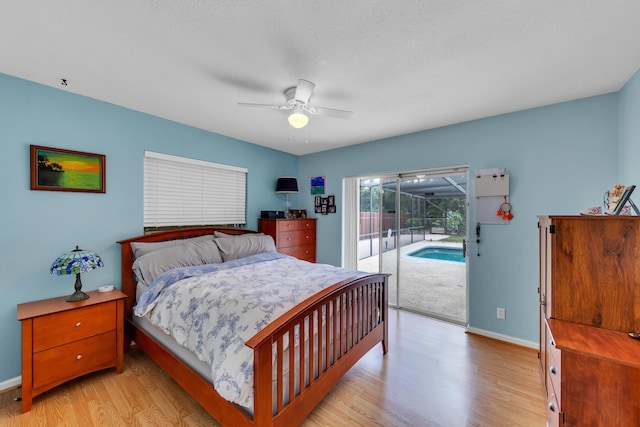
<point x="298" y="119"/>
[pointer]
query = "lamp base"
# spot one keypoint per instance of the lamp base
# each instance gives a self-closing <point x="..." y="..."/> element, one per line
<point x="77" y="296"/>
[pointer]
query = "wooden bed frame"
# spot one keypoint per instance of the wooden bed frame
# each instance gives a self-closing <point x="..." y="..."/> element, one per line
<point x="359" y="305"/>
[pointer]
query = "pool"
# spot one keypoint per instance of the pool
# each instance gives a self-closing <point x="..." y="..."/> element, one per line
<point x="439" y="252"/>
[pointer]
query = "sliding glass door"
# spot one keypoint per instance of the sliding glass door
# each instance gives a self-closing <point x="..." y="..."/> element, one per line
<point x="414" y="226"/>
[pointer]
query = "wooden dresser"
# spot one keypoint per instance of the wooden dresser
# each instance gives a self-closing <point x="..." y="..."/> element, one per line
<point x="589" y="302"/>
<point x="63" y="340"/>
<point x="295" y="237"/>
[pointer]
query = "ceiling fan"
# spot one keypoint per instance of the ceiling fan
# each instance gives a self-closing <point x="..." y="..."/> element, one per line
<point x="298" y="98"/>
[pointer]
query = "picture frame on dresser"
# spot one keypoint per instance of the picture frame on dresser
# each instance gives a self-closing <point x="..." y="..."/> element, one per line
<point x="626" y="198"/>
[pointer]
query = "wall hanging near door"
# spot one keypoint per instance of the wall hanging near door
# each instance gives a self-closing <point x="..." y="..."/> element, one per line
<point x="492" y="196"/>
<point x="325" y="205"/>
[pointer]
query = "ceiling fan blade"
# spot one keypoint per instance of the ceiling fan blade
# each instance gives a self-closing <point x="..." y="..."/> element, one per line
<point x="304" y="89"/>
<point x="331" y="112"/>
<point x="277" y="107"/>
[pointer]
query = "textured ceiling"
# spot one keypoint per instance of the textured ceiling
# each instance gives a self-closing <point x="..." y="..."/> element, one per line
<point x="401" y="66"/>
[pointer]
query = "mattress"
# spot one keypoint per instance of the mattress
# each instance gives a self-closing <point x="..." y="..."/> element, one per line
<point x="204" y="370"/>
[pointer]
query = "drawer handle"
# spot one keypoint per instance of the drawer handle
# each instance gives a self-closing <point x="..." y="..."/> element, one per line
<point x="552" y="406"/>
<point x="78" y="357"/>
<point x="78" y="324"/>
<point x="288" y="238"/>
<point x="552" y="369"/>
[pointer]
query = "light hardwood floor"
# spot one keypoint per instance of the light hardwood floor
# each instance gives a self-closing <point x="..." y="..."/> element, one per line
<point x="433" y="375"/>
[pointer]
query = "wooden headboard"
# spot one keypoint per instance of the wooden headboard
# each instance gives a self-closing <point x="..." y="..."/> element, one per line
<point x="126" y="274"/>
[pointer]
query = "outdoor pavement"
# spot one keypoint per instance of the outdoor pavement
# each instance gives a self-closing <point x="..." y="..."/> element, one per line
<point x="434" y="286"/>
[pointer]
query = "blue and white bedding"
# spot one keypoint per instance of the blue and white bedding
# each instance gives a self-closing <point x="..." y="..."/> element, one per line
<point x="213" y="309"/>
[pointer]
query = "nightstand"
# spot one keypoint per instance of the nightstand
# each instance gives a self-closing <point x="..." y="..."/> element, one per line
<point x="63" y="340"/>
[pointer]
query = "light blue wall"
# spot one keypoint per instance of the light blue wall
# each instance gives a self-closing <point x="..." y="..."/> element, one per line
<point x="37" y="226"/>
<point x="629" y="153"/>
<point x="561" y="160"/>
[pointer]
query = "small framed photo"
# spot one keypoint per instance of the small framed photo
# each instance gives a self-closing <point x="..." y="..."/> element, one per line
<point x="331" y="200"/>
<point x="55" y="169"/>
<point x="298" y="213"/>
<point x="325" y="201"/>
<point x="318" y="201"/>
<point x="318" y="209"/>
<point x="332" y="208"/>
<point x="325" y="209"/>
<point x="317" y="185"/>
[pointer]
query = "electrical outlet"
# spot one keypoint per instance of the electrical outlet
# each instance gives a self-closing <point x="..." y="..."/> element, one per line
<point x="502" y="313"/>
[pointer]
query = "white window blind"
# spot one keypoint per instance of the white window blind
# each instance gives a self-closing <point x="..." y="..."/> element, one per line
<point x="183" y="191"/>
<point x="351" y="212"/>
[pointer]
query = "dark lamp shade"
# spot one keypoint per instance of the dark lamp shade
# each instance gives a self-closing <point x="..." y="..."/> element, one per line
<point x="287" y="184"/>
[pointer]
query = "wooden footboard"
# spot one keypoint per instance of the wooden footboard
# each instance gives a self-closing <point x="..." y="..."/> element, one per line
<point x="320" y="340"/>
<point x="332" y="330"/>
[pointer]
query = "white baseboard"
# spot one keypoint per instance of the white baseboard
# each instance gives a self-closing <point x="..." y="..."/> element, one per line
<point x="11" y="383"/>
<point x="501" y="337"/>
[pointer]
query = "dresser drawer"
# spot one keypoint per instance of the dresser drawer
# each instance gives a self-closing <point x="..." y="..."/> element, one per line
<point x="295" y="238"/>
<point x="554" y="358"/>
<point x="62" y="363"/>
<point x="303" y="252"/>
<point x="284" y="225"/>
<point x="307" y="225"/>
<point x="553" y="409"/>
<point x="56" y="329"/>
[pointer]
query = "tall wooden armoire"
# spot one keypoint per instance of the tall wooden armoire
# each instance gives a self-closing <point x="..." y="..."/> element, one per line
<point x="589" y="303"/>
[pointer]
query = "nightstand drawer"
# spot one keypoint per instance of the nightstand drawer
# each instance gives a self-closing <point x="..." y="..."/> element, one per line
<point x="56" y="329"/>
<point x="68" y="361"/>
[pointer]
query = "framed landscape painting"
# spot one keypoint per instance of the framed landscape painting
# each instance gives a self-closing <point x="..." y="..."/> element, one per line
<point x="55" y="169"/>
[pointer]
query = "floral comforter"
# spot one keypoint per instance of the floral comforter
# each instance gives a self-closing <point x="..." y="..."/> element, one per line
<point x="213" y="310"/>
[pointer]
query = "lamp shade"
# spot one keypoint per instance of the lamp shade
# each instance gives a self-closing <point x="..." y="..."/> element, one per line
<point x="287" y="184"/>
<point x="75" y="262"/>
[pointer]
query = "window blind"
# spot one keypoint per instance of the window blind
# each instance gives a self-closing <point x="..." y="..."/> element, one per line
<point x="351" y="212"/>
<point x="183" y="191"/>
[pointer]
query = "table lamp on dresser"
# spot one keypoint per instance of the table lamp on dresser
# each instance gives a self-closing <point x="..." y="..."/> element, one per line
<point x="287" y="185"/>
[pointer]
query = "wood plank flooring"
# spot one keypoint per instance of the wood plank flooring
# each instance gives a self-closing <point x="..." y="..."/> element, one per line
<point x="433" y="375"/>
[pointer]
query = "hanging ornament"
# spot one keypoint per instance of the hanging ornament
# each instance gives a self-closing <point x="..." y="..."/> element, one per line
<point x="505" y="210"/>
